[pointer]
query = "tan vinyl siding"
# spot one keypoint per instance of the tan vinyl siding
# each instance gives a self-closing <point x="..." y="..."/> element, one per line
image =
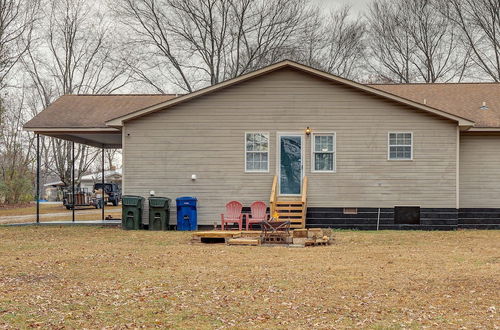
<point x="479" y="171"/>
<point x="206" y="137"/>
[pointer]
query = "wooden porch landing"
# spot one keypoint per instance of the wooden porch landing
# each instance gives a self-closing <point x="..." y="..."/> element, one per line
<point x="297" y="237"/>
<point x="231" y="237"/>
<point x="240" y="237"/>
<point x="226" y="234"/>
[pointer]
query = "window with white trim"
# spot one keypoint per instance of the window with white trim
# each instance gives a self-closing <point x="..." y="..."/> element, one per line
<point x="323" y="150"/>
<point x="400" y="146"/>
<point x="256" y="152"/>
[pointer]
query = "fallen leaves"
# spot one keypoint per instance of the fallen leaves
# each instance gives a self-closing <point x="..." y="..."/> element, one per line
<point x="84" y="277"/>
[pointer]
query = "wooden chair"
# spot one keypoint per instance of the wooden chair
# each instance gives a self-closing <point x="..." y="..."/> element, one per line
<point x="233" y="214"/>
<point x="258" y="213"/>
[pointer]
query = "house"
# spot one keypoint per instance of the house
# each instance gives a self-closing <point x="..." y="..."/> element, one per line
<point x="344" y="154"/>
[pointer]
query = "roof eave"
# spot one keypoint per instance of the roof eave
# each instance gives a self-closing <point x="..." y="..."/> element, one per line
<point x="72" y="129"/>
<point x="465" y="127"/>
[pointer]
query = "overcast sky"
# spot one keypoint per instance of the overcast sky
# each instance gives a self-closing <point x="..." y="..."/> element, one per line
<point x="357" y="5"/>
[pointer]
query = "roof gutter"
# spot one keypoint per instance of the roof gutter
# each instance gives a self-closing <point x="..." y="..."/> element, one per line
<point x="484" y="129"/>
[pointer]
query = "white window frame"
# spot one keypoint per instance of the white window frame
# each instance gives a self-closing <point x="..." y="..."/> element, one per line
<point x="334" y="152"/>
<point x="268" y="151"/>
<point x="398" y="145"/>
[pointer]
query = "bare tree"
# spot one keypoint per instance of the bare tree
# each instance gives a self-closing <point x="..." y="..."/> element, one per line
<point x="413" y="41"/>
<point x="479" y="22"/>
<point x="194" y="43"/>
<point x="264" y="32"/>
<point x="333" y="42"/>
<point x="113" y="157"/>
<point x="15" y="154"/>
<point x="16" y="25"/>
<point x="112" y="160"/>
<point x="17" y="19"/>
<point x="389" y="43"/>
<point x="75" y="54"/>
<point x="439" y="56"/>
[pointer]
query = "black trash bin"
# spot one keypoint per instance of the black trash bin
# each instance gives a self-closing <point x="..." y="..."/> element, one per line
<point x="159" y="213"/>
<point x="132" y="212"/>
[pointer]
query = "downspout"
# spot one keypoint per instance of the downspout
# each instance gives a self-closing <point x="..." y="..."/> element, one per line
<point x="457" y="166"/>
<point x="103" y="202"/>
<point x="378" y="218"/>
<point x="73" y="180"/>
<point x="37" y="178"/>
<point x="123" y="160"/>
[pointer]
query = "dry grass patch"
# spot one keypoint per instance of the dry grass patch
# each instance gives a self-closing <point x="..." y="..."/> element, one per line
<point x="45" y="209"/>
<point x="105" y="277"/>
<point x="53" y="212"/>
<point x="12" y="210"/>
<point x="85" y="217"/>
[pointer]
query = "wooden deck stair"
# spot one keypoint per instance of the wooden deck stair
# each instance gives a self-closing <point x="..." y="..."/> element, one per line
<point x="291" y="209"/>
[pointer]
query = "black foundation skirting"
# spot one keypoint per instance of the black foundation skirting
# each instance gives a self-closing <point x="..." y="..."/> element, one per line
<point x="430" y="219"/>
<point x="366" y="219"/>
<point x="479" y="218"/>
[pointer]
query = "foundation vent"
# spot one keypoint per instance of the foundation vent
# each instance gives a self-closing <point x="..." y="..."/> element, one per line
<point x="350" y="210"/>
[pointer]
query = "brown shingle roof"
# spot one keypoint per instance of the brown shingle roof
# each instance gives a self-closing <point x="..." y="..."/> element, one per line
<point x="92" y="111"/>
<point x="462" y="99"/>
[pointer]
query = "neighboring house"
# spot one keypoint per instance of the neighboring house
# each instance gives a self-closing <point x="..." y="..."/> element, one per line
<point x="404" y="156"/>
<point x="110" y="176"/>
<point x="53" y="189"/>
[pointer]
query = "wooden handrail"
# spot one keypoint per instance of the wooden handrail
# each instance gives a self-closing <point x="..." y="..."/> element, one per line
<point x="272" y="198"/>
<point x="304" y="190"/>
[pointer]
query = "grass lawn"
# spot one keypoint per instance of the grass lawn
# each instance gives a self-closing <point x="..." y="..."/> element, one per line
<point x="106" y="277"/>
<point x="10" y="210"/>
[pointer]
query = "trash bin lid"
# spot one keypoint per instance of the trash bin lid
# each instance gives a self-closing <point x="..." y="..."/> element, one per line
<point x="191" y="201"/>
<point x="187" y="198"/>
<point x="159" y="201"/>
<point x="131" y="200"/>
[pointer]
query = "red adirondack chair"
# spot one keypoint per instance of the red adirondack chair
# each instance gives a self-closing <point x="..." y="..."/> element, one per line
<point x="233" y="214"/>
<point x="257" y="213"/>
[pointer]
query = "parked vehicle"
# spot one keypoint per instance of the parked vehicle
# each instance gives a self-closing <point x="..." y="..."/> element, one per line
<point x="112" y="193"/>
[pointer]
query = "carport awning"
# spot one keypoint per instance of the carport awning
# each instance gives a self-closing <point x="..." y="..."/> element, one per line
<point x="98" y="137"/>
<point x="82" y="118"/>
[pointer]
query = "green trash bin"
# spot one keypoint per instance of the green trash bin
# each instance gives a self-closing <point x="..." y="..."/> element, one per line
<point x="132" y="212"/>
<point x="159" y="213"/>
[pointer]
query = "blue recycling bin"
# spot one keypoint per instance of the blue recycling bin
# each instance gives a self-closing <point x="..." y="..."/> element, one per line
<point x="187" y="214"/>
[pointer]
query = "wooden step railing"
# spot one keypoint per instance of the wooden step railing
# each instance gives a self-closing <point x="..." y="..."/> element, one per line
<point x="304" y="190"/>
<point x="304" y="196"/>
<point x="274" y="196"/>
